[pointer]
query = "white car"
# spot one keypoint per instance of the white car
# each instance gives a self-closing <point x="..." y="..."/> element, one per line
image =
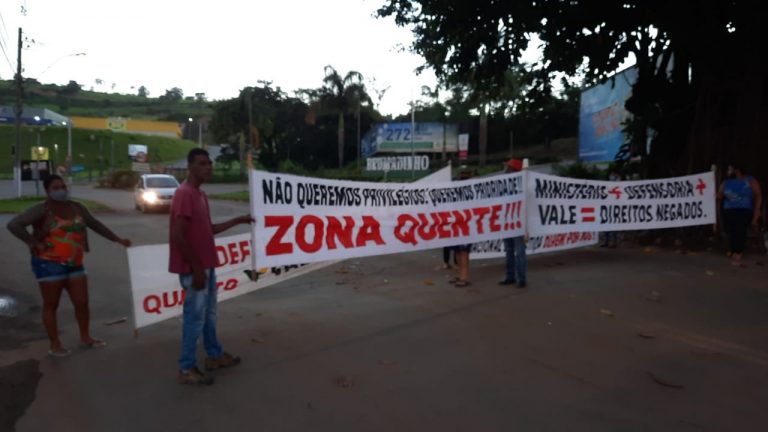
<point x="154" y="191"/>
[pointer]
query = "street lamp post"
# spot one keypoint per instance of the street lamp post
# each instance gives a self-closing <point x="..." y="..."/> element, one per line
<point x="413" y="131"/>
<point x="199" y="131"/>
<point x="68" y="124"/>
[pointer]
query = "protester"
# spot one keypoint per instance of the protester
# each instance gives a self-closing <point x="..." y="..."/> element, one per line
<point x="58" y="243"/>
<point x="514" y="247"/>
<point x="741" y="200"/>
<point x="610" y="239"/>
<point x="447" y="258"/>
<point x="193" y="258"/>
<point x="461" y="253"/>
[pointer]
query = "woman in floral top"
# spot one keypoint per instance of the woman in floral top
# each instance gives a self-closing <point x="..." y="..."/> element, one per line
<point x="58" y="241"/>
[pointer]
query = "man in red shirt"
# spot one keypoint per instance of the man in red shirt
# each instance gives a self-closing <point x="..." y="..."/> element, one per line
<point x="193" y="258"/>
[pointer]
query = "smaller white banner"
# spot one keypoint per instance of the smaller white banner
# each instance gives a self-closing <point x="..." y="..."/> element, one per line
<point x="536" y="245"/>
<point x="559" y="204"/>
<point x="158" y="295"/>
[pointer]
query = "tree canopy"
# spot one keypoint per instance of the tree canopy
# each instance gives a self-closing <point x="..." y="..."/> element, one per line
<point x="699" y="63"/>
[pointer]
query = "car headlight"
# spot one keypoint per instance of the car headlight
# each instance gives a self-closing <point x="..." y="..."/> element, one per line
<point x="149" y="197"/>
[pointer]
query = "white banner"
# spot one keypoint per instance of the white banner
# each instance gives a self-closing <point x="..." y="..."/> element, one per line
<point x="536" y="245"/>
<point x="158" y="295"/>
<point x="301" y="219"/>
<point x="559" y="204"/>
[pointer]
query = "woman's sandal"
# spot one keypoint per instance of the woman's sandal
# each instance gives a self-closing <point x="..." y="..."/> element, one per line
<point x="59" y="352"/>
<point x="95" y="343"/>
<point x="462" y="283"/>
<point x="453" y="280"/>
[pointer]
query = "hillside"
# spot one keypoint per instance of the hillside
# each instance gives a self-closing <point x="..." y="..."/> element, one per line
<point x="88" y="146"/>
<point x="69" y="101"/>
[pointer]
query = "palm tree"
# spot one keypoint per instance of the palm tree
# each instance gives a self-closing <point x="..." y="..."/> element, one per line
<point x="342" y="95"/>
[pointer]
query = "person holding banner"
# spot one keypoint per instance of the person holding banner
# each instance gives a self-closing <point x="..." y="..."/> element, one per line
<point x="58" y="243"/>
<point x="461" y="254"/>
<point x="611" y="237"/>
<point x="516" y="261"/>
<point x="742" y="201"/>
<point x="193" y="258"/>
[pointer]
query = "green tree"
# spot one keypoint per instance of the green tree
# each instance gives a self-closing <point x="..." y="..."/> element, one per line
<point x="341" y="95"/>
<point x="175" y="94"/>
<point x="143" y="92"/>
<point x="699" y="64"/>
<point x="72" y="88"/>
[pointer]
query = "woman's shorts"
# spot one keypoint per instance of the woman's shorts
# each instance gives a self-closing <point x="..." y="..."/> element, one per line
<point x="49" y="271"/>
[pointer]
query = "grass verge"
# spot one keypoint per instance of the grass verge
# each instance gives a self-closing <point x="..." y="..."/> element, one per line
<point x="232" y="196"/>
<point x="17" y="205"/>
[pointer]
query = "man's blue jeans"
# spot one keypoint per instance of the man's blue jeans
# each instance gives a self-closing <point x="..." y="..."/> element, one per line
<point x="199" y="318"/>
<point x="516" y="261"/>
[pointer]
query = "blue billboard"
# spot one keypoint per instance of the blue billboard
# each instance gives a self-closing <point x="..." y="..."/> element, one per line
<point x="602" y="115"/>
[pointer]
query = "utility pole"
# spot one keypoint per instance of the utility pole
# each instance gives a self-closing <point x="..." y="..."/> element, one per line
<point x="413" y="132"/>
<point x="17" y="146"/>
<point x="359" y="144"/>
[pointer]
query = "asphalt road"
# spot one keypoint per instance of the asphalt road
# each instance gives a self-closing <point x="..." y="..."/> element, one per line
<point x="385" y="344"/>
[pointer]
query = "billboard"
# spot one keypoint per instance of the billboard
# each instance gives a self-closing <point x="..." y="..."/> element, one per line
<point x="137" y="153"/>
<point x="396" y="138"/>
<point x="601" y="116"/>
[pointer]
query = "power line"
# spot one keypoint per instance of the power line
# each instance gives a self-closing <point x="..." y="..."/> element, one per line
<point x="5" y="54"/>
<point x="5" y="27"/>
<point x="4" y="44"/>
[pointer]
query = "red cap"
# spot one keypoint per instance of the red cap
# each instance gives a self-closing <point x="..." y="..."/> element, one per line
<point x="515" y="164"/>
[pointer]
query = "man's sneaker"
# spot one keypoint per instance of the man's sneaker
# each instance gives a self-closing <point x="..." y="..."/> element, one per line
<point x="224" y="361"/>
<point x="194" y="377"/>
<point x="507" y="282"/>
<point x="521" y="284"/>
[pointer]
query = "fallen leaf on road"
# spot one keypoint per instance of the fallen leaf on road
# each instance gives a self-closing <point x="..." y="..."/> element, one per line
<point x="117" y="321"/>
<point x="428" y="282"/>
<point x="648" y="250"/>
<point x="341" y="282"/>
<point x="709" y="273"/>
<point x="646" y="335"/>
<point x="257" y="340"/>
<point x="654" y="296"/>
<point x="387" y="362"/>
<point x="342" y="271"/>
<point x="309" y="405"/>
<point x="344" y="382"/>
<point x="386" y="281"/>
<point x="665" y="383"/>
<point x="606" y="312"/>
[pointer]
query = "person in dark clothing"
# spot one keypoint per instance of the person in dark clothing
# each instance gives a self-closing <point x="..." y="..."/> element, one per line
<point x="741" y="200"/>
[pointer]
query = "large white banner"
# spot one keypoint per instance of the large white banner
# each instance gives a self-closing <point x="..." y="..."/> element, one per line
<point x="536" y="245"/>
<point x="303" y="220"/>
<point x="560" y="205"/>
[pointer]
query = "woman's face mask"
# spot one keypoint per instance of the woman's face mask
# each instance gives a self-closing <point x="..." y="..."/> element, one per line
<point x="59" y="195"/>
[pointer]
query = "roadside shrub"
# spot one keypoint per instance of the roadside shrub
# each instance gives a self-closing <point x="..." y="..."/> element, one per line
<point x="121" y="179"/>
